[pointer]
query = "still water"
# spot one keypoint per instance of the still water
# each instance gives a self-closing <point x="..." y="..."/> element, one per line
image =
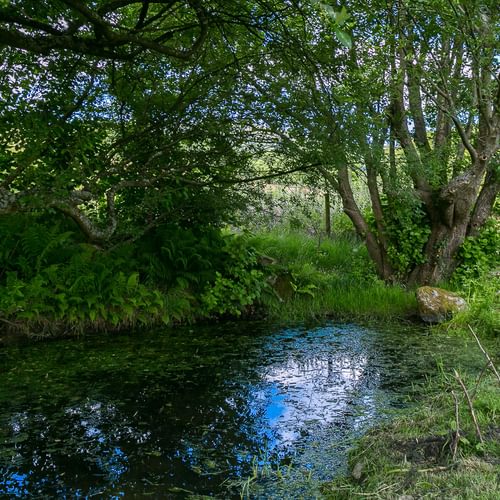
<point x="187" y="412"/>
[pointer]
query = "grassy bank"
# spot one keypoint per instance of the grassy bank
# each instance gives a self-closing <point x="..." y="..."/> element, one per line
<point x="435" y="447"/>
<point x="73" y="287"/>
<point x="329" y="278"/>
<point x="420" y="454"/>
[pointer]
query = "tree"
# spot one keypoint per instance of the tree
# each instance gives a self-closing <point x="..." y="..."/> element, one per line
<point x="113" y="29"/>
<point x="124" y="112"/>
<point x="161" y="101"/>
<point x="413" y="108"/>
<point x="445" y="89"/>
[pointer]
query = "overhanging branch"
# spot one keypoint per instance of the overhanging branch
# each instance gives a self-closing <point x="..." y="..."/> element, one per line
<point x="103" y="38"/>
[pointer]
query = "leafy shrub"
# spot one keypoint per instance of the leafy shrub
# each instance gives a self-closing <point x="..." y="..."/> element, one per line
<point x="342" y="225"/>
<point x="236" y="286"/>
<point x="407" y="230"/>
<point x="51" y="281"/>
<point x="479" y="255"/>
<point x="171" y="255"/>
<point x="89" y="291"/>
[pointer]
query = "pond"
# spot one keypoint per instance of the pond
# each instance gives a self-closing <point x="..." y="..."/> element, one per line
<point x="196" y="411"/>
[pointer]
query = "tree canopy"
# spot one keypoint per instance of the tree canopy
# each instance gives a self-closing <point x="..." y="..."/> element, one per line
<point x="126" y="114"/>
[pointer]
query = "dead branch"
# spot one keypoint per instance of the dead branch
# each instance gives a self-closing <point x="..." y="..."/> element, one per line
<point x="469" y="403"/>
<point x="456" y="435"/>
<point x="486" y="355"/>
<point x="478" y="381"/>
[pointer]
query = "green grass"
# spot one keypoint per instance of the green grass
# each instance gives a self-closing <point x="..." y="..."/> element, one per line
<point x="331" y="278"/>
<point x="483" y="296"/>
<point x="413" y="455"/>
<point x="300" y="248"/>
<point x="375" y="301"/>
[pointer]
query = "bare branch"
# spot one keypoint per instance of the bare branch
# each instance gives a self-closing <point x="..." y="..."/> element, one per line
<point x="486" y="355"/>
<point x="91" y="231"/>
<point x="456" y="436"/>
<point x="450" y="110"/>
<point x="471" y="407"/>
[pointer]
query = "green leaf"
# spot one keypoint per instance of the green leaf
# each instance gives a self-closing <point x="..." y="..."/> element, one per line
<point x="133" y="280"/>
<point x="342" y="17"/>
<point x="343" y="38"/>
<point x="329" y="10"/>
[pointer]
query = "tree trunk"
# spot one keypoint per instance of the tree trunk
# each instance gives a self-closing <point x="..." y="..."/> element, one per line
<point x="451" y="212"/>
<point x="440" y="253"/>
<point x="328" y="215"/>
<point x="376" y="250"/>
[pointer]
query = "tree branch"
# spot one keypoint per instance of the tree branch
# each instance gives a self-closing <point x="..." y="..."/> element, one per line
<point x="108" y="42"/>
<point x="471" y="407"/>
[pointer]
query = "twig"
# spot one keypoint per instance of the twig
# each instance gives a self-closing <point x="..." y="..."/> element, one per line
<point x="471" y="408"/>
<point x="8" y="322"/>
<point x="438" y="468"/>
<point x="478" y="381"/>
<point x="456" y="436"/>
<point x="486" y="355"/>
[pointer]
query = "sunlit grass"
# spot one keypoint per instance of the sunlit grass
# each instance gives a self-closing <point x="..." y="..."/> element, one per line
<point x="483" y="296"/>
<point x="332" y="277"/>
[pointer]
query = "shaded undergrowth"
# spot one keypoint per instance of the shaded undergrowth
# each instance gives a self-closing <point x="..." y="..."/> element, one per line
<point x="53" y="282"/>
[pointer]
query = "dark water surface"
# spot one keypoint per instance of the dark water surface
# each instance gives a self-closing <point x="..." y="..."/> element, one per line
<point x="165" y="413"/>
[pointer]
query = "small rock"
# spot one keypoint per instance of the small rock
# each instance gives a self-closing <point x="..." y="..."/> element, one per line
<point x="357" y="471"/>
<point x="265" y="260"/>
<point x="436" y="305"/>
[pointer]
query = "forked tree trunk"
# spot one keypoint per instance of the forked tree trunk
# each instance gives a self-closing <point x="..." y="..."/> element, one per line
<point x="440" y="255"/>
<point x="454" y="214"/>
<point x="375" y="246"/>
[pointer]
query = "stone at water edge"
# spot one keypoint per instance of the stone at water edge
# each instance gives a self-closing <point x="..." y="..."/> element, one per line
<point x="436" y="305"/>
<point x="357" y="471"/>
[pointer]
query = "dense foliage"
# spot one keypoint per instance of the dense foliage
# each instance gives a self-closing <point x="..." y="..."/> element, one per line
<point x="132" y="133"/>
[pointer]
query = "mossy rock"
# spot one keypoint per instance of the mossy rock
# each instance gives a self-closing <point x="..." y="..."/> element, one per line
<point x="436" y="305"/>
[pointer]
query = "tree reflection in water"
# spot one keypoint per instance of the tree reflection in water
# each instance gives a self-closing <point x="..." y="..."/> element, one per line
<point x="152" y="414"/>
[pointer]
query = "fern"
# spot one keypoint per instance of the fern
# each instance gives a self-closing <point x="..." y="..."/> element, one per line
<point x="34" y="240"/>
<point x="55" y="241"/>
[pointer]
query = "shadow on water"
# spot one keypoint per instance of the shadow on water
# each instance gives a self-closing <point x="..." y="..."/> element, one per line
<point x="172" y="412"/>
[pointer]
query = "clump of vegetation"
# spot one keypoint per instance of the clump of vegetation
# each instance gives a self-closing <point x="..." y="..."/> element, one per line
<point x="480" y="256"/>
<point x="52" y="282"/>
<point x="411" y="456"/>
<point x="478" y="279"/>
<point x="239" y="285"/>
<point x="484" y="312"/>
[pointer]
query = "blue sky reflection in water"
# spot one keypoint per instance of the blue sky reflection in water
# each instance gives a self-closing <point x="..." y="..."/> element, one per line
<point x="164" y="412"/>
